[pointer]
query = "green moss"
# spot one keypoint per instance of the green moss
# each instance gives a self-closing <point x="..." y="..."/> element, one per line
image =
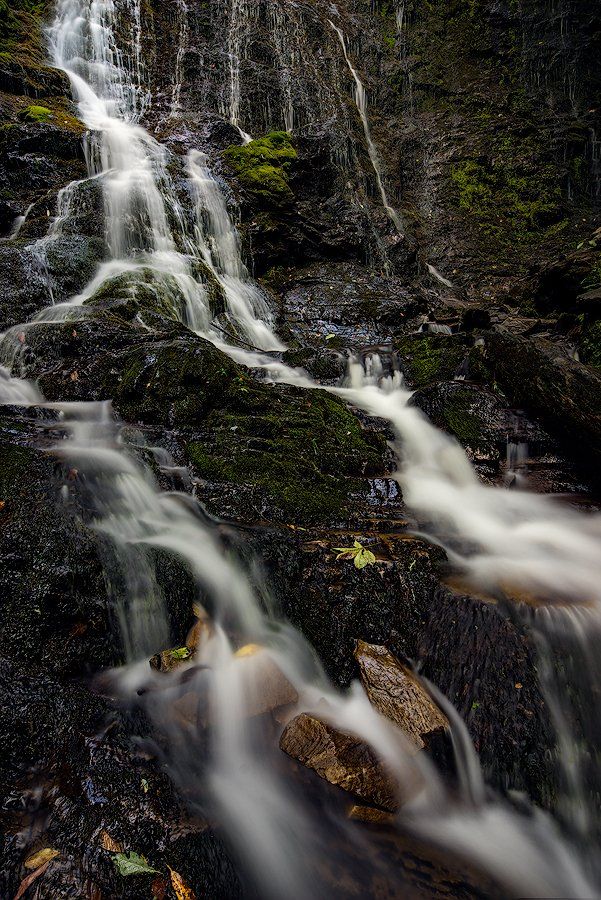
<point x="36" y="114"/>
<point x="461" y="422"/>
<point x="426" y="358"/>
<point x="507" y="203"/>
<point x="262" y="167"/>
<point x="304" y="450"/>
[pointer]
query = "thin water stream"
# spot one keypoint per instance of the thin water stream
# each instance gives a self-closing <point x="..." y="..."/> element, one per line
<point x="514" y="538"/>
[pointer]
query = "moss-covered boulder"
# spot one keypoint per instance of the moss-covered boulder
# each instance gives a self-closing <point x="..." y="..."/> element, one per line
<point x="426" y="358"/>
<point x="262" y="167"/>
<point x="300" y="452"/>
<point x="470" y="413"/>
<point x="302" y="449"/>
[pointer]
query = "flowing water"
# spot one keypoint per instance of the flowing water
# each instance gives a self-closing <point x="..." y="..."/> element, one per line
<point x="182" y="47"/>
<point x="498" y="538"/>
<point x="361" y="103"/>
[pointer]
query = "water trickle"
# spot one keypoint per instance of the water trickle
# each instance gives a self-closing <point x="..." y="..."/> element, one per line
<point x="239" y="18"/>
<point x="361" y="103"/>
<point x="182" y="47"/>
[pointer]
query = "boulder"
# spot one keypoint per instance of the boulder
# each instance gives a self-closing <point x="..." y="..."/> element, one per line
<point x="398" y="694"/>
<point x="341" y="759"/>
<point x="537" y="375"/>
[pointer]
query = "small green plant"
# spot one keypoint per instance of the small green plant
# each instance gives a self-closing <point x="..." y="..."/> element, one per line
<point x="358" y="553"/>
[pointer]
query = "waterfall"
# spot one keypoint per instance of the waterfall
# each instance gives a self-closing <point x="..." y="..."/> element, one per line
<point x="219" y="245"/>
<point x="361" y="103"/>
<point x="145" y="224"/>
<point x="497" y="537"/>
<point x="280" y="837"/>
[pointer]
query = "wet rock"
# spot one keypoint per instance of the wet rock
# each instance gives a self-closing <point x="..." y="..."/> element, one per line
<point x="331" y="305"/>
<point x="370" y="815"/>
<point x="339" y="758"/>
<point x="539" y="377"/>
<point x="263" y="687"/>
<point x="24" y="285"/>
<point x="559" y="284"/>
<point x="475" y="416"/>
<point x="396" y="692"/>
<point x="425" y="358"/>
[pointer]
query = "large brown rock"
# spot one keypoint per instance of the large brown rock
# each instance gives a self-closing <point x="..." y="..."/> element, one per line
<point x="398" y="694"/>
<point x="340" y="758"/>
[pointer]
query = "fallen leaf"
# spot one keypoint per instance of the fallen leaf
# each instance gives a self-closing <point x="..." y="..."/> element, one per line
<point x="182" y="891"/>
<point x="40" y="857"/>
<point x="2" y="504"/>
<point x="519" y="686"/>
<point x="247" y="650"/>
<point x="133" y="864"/>
<point x="30" y="880"/>
<point x="159" y="888"/>
<point x="144" y="785"/>
<point x="108" y="843"/>
<point x="74" y="376"/>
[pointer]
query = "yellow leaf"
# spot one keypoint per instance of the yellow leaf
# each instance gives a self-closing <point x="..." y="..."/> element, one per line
<point x="41" y="857"/>
<point x="107" y="843"/>
<point x="247" y="650"/>
<point x="182" y="891"/>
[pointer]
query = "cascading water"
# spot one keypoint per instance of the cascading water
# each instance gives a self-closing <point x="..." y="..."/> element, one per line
<point x="145" y="225"/>
<point x="497" y="537"/>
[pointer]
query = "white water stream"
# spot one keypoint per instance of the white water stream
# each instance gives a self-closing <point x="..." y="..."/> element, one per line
<point x="498" y="537"/>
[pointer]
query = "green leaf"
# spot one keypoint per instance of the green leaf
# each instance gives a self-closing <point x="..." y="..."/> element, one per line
<point x="360" y="560"/>
<point x="180" y="653"/>
<point x="133" y="864"/>
<point x="358" y="554"/>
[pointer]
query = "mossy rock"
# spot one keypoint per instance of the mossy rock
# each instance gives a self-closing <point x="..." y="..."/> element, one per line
<point x="262" y="167"/>
<point x="469" y="413"/>
<point x="304" y="450"/>
<point x="536" y="375"/>
<point x="426" y="358"/>
<point x="36" y="114"/>
<point x="147" y="291"/>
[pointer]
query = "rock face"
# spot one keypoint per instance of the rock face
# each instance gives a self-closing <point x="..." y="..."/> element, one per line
<point x="397" y="694"/>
